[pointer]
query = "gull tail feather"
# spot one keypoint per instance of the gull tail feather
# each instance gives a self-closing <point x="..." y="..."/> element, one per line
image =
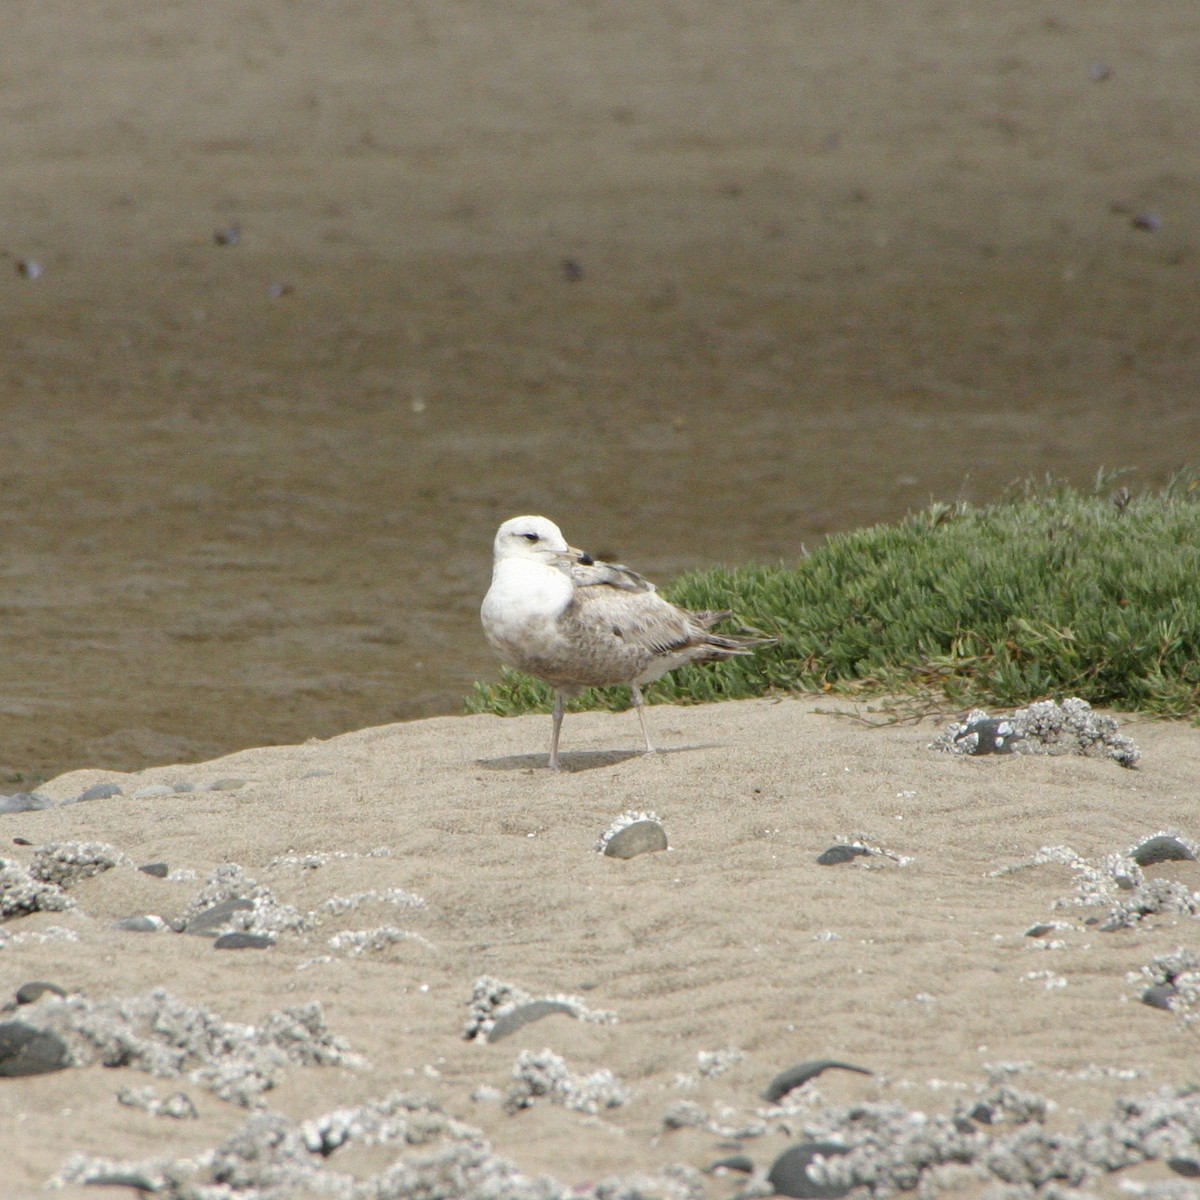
<point x="725" y="645"/>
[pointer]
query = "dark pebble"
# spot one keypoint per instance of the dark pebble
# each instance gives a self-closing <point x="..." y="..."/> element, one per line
<point x="1161" y="848"/>
<point x="735" y="1162"/>
<point x="996" y="735"/>
<point x="159" y="870"/>
<point x="840" y="854"/>
<point x="1040" y="929"/>
<point x="25" y="802"/>
<point x="1160" y="996"/>
<point x="99" y="791"/>
<point x="208" y="922"/>
<point x="524" y="1014"/>
<point x="793" y="1077"/>
<point x="138" y="1178"/>
<point x="25" y="1050"/>
<point x="1184" y="1166"/>
<point x="789" y="1173"/>
<point x="244" y="941"/>
<point x="27" y="993"/>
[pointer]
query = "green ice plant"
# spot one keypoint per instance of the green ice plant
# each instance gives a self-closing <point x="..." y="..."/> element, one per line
<point x="1053" y="591"/>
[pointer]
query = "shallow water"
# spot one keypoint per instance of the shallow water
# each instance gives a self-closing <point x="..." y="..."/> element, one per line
<point x="188" y="575"/>
<point x="249" y="489"/>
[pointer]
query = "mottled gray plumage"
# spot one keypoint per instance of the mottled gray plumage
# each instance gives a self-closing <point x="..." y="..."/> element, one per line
<point x="557" y="614"/>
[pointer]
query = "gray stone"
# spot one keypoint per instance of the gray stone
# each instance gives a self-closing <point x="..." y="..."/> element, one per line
<point x="25" y="1050"/>
<point x="25" y="802"/>
<point x="99" y="791"/>
<point x="841" y="853"/>
<point x="789" y="1174"/>
<point x="210" y="921"/>
<point x="524" y="1014"/>
<point x="240" y="940"/>
<point x="793" y="1077"/>
<point x="1162" y="847"/>
<point x="27" y="993"/>
<point x="141" y="924"/>
<point x="640" y="837"/>
<point x="735" y="1162"/>
<point x="1188" y="1167"/>
<point x="1161" y="995"/>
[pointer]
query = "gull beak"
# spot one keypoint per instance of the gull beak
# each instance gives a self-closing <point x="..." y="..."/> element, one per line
<point x="580" y="556"/>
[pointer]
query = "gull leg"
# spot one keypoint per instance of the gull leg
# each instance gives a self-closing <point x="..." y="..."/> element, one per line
<point x="558" y="716"/>
<point x="641" y="712"/>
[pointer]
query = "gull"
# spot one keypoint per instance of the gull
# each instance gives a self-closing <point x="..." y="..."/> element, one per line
<point x="560" y="615"/>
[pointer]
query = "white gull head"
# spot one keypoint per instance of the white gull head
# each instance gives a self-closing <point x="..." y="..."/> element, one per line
<point x="536" y="539"/>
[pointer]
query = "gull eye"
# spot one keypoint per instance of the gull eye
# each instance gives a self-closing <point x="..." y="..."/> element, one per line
<point x="531" y="537"/>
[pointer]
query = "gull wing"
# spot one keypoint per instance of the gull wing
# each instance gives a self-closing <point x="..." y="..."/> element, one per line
<point x="618" y="629"/>
<point x="605" y="574"/>
<point x="636" y="616"/>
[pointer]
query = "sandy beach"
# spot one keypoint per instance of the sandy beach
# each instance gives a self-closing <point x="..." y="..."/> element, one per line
<point x="300" y="302"/>
<point x="719" y="963"/>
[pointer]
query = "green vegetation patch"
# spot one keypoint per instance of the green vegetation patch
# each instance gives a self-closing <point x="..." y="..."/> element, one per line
<point x="1053" y="592"/>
